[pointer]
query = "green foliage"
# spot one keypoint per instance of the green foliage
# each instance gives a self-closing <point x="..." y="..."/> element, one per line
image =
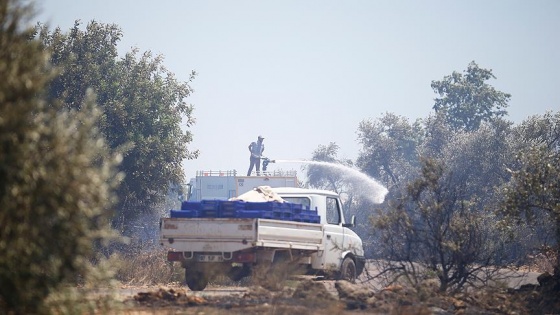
<point x="56" y="177"/>
<point x="535" y="183"/>
<point x="466" y="100"/>
<point x="477" y="160"/>
<point x="145" y="113"/>
<point x="437" y="134"/>
<point x="432" y="230"/>
<point x="442" y="183"/>
<point x="451" y="203"/>
<point x="323" y="178"/>
<point x="86" y="60"/>
<point x="389" y="147"/>
<point x="439" y="214"/>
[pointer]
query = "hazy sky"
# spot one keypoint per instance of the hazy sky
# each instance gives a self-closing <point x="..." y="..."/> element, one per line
<point x="305" y="73"/>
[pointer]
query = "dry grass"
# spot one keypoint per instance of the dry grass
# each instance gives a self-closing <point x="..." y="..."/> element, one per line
<point x="543" y="261"/>
<point x="147" y="267"/>
<point x="150" y="268"/>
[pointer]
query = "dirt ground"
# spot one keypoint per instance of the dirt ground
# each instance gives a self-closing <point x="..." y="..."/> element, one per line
<point x="307" y="296"/>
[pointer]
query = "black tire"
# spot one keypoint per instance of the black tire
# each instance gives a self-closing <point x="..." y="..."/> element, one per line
<point x="196" y="280"/>
<point x="348" y="270"/>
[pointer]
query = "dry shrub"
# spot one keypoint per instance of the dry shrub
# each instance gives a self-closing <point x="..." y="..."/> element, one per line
<point x="274" y="276"/>
<point x="544" y="261"/>
<point x="147" y="267"/>
<point x="269" y="276"/>
<point x="95" y="294"/>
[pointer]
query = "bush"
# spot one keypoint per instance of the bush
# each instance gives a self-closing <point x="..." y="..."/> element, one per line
<point x="147" y="267"/>
<point x="56" y="177"/>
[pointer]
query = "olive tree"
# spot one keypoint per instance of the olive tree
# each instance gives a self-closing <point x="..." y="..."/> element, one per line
<point x="389" y="148"/>
<point x="339" y="180"/>
<point x="466" y="100"/>
<point x="145" y="113"/>
<point x="440" y="223"/>
<point x="56" y="176"/>
<point x="534" y="189"/>
<point x="436" y="230"/>
<point x="322" y="177"/>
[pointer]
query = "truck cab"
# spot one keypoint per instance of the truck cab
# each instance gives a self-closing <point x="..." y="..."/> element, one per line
<point x="338" y="238"/>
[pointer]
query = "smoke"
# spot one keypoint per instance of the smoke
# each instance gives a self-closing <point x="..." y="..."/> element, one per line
<point x="362" y="184"/>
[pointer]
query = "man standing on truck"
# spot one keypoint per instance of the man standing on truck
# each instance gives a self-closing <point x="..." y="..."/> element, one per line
<point x="256" y="149"/>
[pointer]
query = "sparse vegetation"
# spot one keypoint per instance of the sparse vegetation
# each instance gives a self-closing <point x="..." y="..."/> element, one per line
<point x="535" y="184"/>
<point x="432" y="230"/>
<point x="145" y="267"/>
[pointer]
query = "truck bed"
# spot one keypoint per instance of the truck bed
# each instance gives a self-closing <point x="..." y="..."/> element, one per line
<point x="226" y="235"/>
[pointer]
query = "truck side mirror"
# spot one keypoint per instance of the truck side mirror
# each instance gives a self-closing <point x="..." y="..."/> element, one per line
<point x="352" y="222"/>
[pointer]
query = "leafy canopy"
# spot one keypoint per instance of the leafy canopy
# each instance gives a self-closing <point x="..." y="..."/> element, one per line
<point x="56" y="176"/>
<point x="145" y="114"/>
<point x="466" y="100"/>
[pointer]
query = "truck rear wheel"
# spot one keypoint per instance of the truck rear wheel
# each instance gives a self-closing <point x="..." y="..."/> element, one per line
<point x="348" y="270"/>
<point x="196" y="280"/>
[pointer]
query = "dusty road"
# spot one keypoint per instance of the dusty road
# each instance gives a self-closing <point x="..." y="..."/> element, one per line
<point x="300" y="296"/>
<point x="227" y="300"/>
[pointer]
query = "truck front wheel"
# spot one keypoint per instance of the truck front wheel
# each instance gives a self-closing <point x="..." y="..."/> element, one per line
<point x="348" y="270"/>
<point x="196" y="280"/>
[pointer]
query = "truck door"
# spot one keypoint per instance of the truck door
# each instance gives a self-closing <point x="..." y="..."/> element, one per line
<point x="333" y="235"/>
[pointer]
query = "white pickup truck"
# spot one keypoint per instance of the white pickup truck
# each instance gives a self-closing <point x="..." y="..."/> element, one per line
<point x="237" y="246"/>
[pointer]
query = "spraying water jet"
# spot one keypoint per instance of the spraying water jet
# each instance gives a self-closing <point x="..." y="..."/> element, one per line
<point x="363" y="184"/>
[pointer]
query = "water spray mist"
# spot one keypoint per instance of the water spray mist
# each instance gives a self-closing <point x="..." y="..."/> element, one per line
<point x="363" y="184"/>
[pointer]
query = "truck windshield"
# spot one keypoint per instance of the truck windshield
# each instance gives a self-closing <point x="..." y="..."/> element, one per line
<point x="304" y="201"/>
